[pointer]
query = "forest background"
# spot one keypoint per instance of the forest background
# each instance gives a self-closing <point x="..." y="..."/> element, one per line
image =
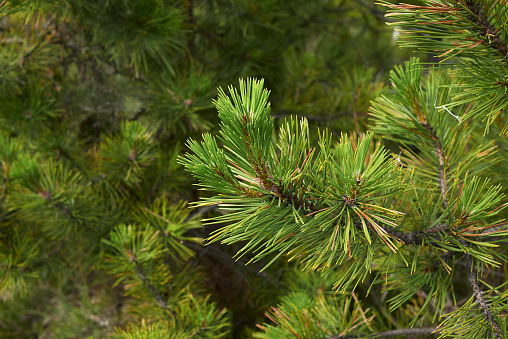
<point x="97" y="101"/>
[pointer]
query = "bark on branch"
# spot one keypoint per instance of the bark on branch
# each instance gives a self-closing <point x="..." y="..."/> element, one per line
<point x="478" y="294"/>
<point x="488" y="33"/>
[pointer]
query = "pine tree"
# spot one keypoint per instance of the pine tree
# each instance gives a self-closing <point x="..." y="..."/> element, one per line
<point x="351" y="225"/>
<point x="97" y="99"/>
<point x="420" y="221"/>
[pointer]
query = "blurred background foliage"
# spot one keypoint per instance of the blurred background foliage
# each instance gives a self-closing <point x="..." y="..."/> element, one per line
<point x="97" y="99"/>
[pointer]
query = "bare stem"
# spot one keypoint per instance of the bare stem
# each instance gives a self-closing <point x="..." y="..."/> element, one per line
<point x="415" y="237"/>
<point x="478" y="294"/>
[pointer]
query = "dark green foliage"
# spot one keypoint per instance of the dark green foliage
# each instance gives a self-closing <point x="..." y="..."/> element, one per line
<point x="342" y="206"/>
<point x="302" y="200"/>
<point x="471" y="36"/>
<point x="102" y="108"/>
<point x="302" y="316"/>
<point x="197" y="319"/>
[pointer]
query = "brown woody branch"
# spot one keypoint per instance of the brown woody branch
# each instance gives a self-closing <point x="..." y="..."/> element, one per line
<point x="440" y="155"/>
<point x="266" y="181"/>
<point x="415" y="238"/>
<point x="478" y="15"/>
<point x="408" y="238"/>
<point x="478" y="294"/>
<point x="307" y="205"/>
<point x="437" y="143"/>
<point x="487" y="33"/>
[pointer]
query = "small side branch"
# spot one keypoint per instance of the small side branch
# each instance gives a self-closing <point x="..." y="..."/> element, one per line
<point x="437" y="144"/>
<point x="406" y="238"/>
<point x="296" y="201"/>
<point x="488" y="33"/>
<point x="150" y="287"/>
<point x="478" y="294"/>
<point x="440" y="155"/>
<point x="65" y="210"/>
<point x="415" y="238"/>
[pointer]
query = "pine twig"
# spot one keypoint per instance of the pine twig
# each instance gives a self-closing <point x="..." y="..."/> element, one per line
<point x="478" y="293"/>
<point x="149" y="285"/>
<point x="437" y="144"/>
<point x="65" y="210"/>
<point x="477" y="15"/>
<point x="414" y="237"/>
<point x="481" y="20"/>
<point x="440" y="155"/>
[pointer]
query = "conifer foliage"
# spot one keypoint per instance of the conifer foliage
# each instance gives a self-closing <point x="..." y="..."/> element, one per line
<point x="411" y="219"/>
<point x="363" y="197"/>
<point x="351" y="204"/>
<point x="321" y="205"/>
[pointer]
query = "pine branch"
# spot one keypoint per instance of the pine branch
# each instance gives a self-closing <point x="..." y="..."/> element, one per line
<point x="469" y="20"/>
<point x="478" y="293"/>
<point x="437" y="142"/>
<point x="58" y="205"/>
<point x="440" y="155"/>
<point x="487" y="33"/>
<point x="156" y="295"/>
<point x="414" y="238"/>
<point x="392" y="333"/>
